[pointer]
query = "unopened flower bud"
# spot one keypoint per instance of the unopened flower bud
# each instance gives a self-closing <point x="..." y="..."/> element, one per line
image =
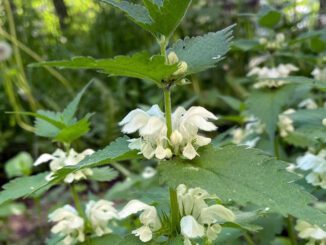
<point x="172" y="58"/>
<point x="176" y="137"/>
<point x="182" y="68"/>
<point x="324" y="121"/>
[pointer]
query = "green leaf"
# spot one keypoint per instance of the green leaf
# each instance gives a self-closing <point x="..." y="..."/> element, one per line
<point x="139" y="65"/>
<point x="268" y="17"/>
<point x="166" y="17"/>
<point x="116" y="151"/>
<point x="304" y="81"/>
<point x="244" y="175"/>
<point x="73" y="132"/>
<point x="113" y="239"/>
<point x="156" y="17"/>
<point x="24" y="186"/>
<point x="44" y="128"/>
<point x="267" y="105"/>
<point x="19" y="165"/>
<point x="245" y="44"/>
<point x="8" y="209"/>
<point x="104" y="174"/>
<point x="203" y="52"/>
<point x="309" y="130"/>
<point x="136" y="12"/>
<point x="70" y="111"/>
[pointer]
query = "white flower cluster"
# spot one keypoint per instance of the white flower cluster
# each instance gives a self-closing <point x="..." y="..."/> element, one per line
<point x="71" y="227"/>
<point x="60" y="159"/>
<point x="198" y="219"/>
<point x="308" y="104"/>
<point x="148" y="218"/>
<point x="285" y="123"/>
<point x="153" y="140"/>
<point x="278" y="42"/>
<point x="313" y="233"/>
<point x="319" y="74"/>
<point x="5" y="51"/>
<point x="267" y="76"/>
<point x="250" y="134"/>
<point x="317" y="165"/>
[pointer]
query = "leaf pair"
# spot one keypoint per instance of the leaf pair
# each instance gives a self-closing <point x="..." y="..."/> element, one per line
<point x="62" y="126"/>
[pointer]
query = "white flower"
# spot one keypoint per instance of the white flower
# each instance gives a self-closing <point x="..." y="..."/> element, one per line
<point x="148" y="173"/>
<point x="324" y="122"/>
<point x="60" y="159"/>
<point x="184" y="140"/>
<point x="69" y="225"/>
<point x="267" y="76"/>
<point x="308" y="104"/>
<point x="285" y="123"/>
<point x="311" y="232"/>
<point x="148" y="218"/>
<point x="182" y="66"/>
<point x="99" y="214"/>
<point x="316" y="164"/>
<point x="5" y="51"/>
<point x="250" y="135"/>
<point x="319" y="74"/>
<point x="198" y="218"/>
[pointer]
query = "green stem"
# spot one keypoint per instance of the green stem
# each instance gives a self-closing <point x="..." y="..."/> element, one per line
<point x="291" y="230"/>
<point x="276" y="148"/>
<point x="175" y="216"/>
<point x="76" y="200"/>
<point x="168" y="111"/>
<point x="249" y="239"/>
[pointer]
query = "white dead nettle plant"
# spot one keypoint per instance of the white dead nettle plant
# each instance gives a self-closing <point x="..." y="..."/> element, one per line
<point x="99" y="214"/>
<point x="250" y="134"/>
<point x="285" y="123"/>
<point x="316" y="165"/>
<point x="268" y="76"/>
<point x="69" y="225"/>
<point x="60" y="159"/>
<point x="319" y="74"/>
<point x="185" y="138"/>
<point x="149" y="219"/>
<point x="313" y="233"/>
<point x="198" y="219"/>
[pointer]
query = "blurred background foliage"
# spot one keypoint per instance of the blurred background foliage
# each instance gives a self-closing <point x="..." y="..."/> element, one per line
<point x="60" y="29"/>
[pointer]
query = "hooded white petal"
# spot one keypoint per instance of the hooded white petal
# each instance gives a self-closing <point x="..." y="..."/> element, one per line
<point x="191" y="228"/>
<point x="43" y="158"/>
<point x="189" y="151"/>
<point x="216" y="213"/>
<point x="144" y="233"/>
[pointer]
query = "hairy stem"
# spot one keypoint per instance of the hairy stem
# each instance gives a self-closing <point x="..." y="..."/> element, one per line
<point x="175" y="216"/>
<point x="291" y="230"/>
<point x="168" y="111"/>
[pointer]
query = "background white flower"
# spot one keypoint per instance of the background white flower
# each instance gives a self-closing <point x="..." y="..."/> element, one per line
<point x="5" y="51"/>
<point x="316" y="164"/>
<point x="311" y="232"/>
<point x="285" y="123"/>
<point x="60" y="159"/>
<point x="69" y="225"/>
<point x="267" y="75"/>
<point x="148" y="218"/>
<point x="99" y="214"/>
<point x="198" y="219"/>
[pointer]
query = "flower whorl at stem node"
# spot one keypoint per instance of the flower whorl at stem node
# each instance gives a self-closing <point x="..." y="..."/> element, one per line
<point x="184" y="139"/>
